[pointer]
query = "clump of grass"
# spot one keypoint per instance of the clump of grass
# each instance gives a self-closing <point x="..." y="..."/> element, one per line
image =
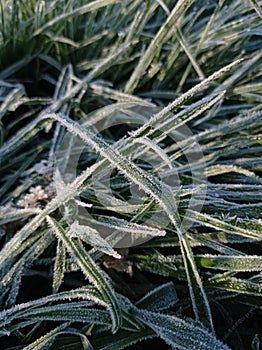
<point x="130" y="137"/>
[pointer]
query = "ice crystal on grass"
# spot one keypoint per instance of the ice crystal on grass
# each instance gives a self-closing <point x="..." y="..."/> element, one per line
<point x="34" y="198"/>
<point x="91" y="236"/>
<point x="162" y="68"/>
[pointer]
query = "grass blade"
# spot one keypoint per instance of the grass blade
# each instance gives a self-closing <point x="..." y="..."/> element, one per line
<point x="156" y="44"/>
<point x="94" y="5"/>
<point x="179" y="333"/>
<point x="91" y="270"/>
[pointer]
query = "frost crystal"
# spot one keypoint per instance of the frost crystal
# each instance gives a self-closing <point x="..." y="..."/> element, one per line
<point x="36" y="196"/>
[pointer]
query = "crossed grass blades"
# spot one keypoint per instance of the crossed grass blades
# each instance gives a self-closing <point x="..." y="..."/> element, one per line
<point x="200" y="65"/>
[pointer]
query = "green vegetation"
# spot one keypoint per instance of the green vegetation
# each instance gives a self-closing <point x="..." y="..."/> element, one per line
<point x="131" y="174"/>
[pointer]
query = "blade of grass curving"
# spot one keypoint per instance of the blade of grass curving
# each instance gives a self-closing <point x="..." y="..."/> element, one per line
<point x="130" y="323"/>
<point x="90" y="269"/>
<point x="224" y="168"/>
<point x="12" y="279"/>
<point x="70" y="312"/>
<point x="89" y="294"/>
<point x="11" y="100"/>
<point x="68" y="342"/>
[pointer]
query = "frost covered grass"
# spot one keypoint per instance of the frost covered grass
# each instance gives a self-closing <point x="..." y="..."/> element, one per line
<point x="131" y="174"/>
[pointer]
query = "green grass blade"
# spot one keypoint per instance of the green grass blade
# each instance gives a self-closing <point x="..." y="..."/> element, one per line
<point x="159" y="299"/>
<point x="179" y="333"/>
<point x="59" y="266"/>
<point x="156" y="44"/>
<point x="163" y="195"/>
<point x="231" y="263"/>
<point x="47" y="339"/>
<point x="124" y="340"/>
<point x="209" y="221"/>
<point x="68" y="313"/>
<point x="91" y="270"/>
<point x="91" y="236"/>
<point x="236" y="285"/>
<point x="94" y="5"/>
<point x="89" y="294"/>
<point x="173" y="106"/>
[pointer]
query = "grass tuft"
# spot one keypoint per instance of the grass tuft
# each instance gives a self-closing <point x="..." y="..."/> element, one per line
<point x="131" y="174"/>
